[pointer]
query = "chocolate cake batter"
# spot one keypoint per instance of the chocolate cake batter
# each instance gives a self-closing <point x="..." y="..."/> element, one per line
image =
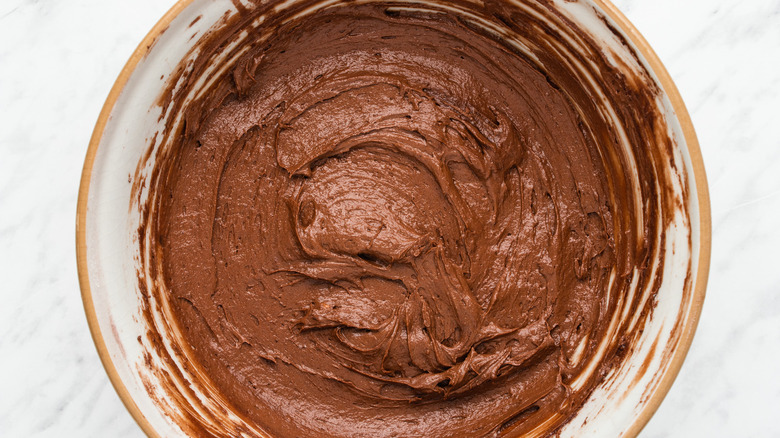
<point x="381" y="222"/>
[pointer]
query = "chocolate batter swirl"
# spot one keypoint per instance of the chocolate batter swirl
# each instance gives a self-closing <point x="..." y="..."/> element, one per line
<point x="385" y="222"/>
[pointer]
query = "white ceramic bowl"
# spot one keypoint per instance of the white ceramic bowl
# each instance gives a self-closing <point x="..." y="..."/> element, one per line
<point x="108" y="253"/>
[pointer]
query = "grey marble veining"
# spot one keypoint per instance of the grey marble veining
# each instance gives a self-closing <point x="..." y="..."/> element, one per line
<point x="58" y="60"/>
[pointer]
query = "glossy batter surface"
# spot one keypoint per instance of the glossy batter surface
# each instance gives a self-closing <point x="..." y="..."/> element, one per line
<point x="383" y="223"/>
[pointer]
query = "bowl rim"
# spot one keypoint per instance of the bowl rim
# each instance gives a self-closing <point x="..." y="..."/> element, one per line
<point x="691" y="319"/>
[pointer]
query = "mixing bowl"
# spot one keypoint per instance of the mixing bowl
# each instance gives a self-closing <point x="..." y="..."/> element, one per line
<point x="128" y="324"/>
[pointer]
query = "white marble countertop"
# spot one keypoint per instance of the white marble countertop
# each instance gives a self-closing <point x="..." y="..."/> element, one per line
<point x="58" y="60"/>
